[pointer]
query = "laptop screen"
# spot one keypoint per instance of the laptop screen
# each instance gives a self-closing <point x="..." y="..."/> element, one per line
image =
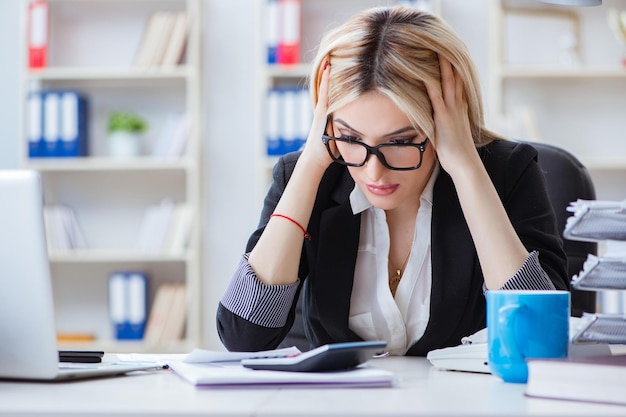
<point x="28" y="348"/>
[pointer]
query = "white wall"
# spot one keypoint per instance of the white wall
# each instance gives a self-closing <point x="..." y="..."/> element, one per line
<point x="230" y="157"/>
<point x="9" y="83"/>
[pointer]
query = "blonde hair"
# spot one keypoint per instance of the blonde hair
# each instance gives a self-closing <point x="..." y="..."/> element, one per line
<point x="394" y="51"/>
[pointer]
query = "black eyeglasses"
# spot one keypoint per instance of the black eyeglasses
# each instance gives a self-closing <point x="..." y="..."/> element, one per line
<point x="395" y="156"/>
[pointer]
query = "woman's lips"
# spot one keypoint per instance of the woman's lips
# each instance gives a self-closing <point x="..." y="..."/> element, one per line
<point x="382" y="190"/>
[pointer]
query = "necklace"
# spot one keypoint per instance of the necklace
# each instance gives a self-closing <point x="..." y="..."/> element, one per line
<point x="394" y="280"/>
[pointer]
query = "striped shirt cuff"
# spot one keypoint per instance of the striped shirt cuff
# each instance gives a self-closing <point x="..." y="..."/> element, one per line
<point x="261" y="304"/>
<point x="530" y="276"/>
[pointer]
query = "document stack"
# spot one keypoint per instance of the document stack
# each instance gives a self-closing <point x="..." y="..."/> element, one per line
<point x="597" y="221"/>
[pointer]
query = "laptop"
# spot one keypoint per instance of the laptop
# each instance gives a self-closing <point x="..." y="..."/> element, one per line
<point x="28" y="346"/>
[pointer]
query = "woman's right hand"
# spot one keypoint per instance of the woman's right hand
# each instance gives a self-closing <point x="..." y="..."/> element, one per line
<point x="314" y="150"/>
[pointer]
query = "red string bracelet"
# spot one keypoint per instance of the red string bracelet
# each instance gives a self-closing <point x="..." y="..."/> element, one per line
<point x="307" y="236"/>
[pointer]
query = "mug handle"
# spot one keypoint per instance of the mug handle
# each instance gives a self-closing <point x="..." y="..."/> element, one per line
<point x="507" y="316"/>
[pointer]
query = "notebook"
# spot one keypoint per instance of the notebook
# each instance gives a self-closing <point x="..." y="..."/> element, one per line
<point x="28" y="347"/>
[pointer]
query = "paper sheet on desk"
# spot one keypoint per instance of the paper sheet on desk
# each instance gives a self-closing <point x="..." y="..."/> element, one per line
<point x="208" y="356"/>
<point x="231" y="374"/>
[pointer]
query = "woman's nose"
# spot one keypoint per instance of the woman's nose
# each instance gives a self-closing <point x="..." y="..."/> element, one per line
<point x="374" y="168"/>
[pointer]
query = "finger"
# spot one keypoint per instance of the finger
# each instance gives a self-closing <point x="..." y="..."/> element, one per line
<point x="447" y="80"/>
<point x="459" y="86"/>
<point x="434" y="93"/>
<point x="322" y="96"/>
<point x="321" y="107"/>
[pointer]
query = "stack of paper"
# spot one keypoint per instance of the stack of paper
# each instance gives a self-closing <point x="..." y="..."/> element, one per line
<point x="596" y="221"/>
<point x="209" y="368"/>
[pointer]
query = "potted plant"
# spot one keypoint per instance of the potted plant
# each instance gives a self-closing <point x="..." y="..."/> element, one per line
<point x="124" y="131"/>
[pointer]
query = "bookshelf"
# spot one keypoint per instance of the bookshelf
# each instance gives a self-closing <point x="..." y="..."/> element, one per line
<point x="316" y="18"/>
<point x="570" y="92"/>
<point x="110" y="196"/>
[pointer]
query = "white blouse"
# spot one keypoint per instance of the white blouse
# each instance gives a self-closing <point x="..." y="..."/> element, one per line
<point x="374" y="313"/>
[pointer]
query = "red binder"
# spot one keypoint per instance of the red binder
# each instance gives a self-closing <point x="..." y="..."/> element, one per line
<point x="289" y="42"/>
<point x="38" y="33"/>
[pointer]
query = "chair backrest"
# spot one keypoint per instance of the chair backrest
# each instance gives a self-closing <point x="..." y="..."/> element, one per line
<point x="568" y="180"/>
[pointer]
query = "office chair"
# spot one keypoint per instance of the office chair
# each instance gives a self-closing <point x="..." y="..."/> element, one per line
<point x="568" y="180"/>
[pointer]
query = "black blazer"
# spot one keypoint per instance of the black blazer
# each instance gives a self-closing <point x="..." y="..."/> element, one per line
<point x="457" y="306"/>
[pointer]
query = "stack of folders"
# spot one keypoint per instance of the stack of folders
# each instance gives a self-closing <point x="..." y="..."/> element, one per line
<point x="601" y="378"/>
<point x="128" y="292"/>
<point x="597" y="221"/>
<point x="289" y="117"/>
<point x="57" y="124"/>
<point x="283" y="35"/>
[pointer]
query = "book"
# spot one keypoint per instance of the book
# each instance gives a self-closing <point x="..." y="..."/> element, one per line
<point x="154" y="39"/>
<point x="168" y="20"/>
<point x="38" y="34"/>
<point x="159" y="312"/>
<point x="172" y="140"/>
<point x="63" y="231"/>
<point x="168" y="313"/>
<point x="175" y="47"/>
<point x="174" y="325"/>
<point x="599" y="379"/>
<point x="180" y="228"/>
<point x="154" y="226"/>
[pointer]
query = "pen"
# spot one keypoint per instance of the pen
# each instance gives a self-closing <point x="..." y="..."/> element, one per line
<point x="142" y="363"/>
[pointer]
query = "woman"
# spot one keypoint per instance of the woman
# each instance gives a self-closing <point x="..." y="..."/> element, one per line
<point x="401" y="210"/>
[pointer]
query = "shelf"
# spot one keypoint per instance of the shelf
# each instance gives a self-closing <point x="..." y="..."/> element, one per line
<point x="92" y="256"/>
<point x="112" y="73"/>
<point x="570" y="73"/>
<point x="288" y="71"/>
<point x="108" y="164"/>
<point x="92" y="48"/>
<point x="127" y="346"/>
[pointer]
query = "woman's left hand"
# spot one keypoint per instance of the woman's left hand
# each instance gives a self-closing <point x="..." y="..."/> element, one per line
<point x="453" y="136"/>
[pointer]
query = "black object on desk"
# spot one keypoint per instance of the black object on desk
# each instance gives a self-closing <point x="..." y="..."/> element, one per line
<point x="81" y="356"/>
<point x="330" y="357"/>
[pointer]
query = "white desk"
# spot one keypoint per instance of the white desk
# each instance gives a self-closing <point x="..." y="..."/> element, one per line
<point x="422" y="390"/>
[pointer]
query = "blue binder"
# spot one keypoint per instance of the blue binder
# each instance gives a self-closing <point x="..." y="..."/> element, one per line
<point x="51" y="123"/>
<point x="73" y="128"/>
<point x="128" y="305"/>
<point x="57" y="124"/>
<point x="36" y="145"/>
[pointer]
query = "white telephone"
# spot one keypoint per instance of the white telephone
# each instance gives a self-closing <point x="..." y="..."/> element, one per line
<point x="471" y="355"/>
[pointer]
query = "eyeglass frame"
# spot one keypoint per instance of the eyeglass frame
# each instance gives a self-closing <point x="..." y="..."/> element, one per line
<point x="374" y="150"/>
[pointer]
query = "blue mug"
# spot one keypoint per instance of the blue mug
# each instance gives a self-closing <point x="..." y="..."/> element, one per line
<point x="525" y="325"/>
